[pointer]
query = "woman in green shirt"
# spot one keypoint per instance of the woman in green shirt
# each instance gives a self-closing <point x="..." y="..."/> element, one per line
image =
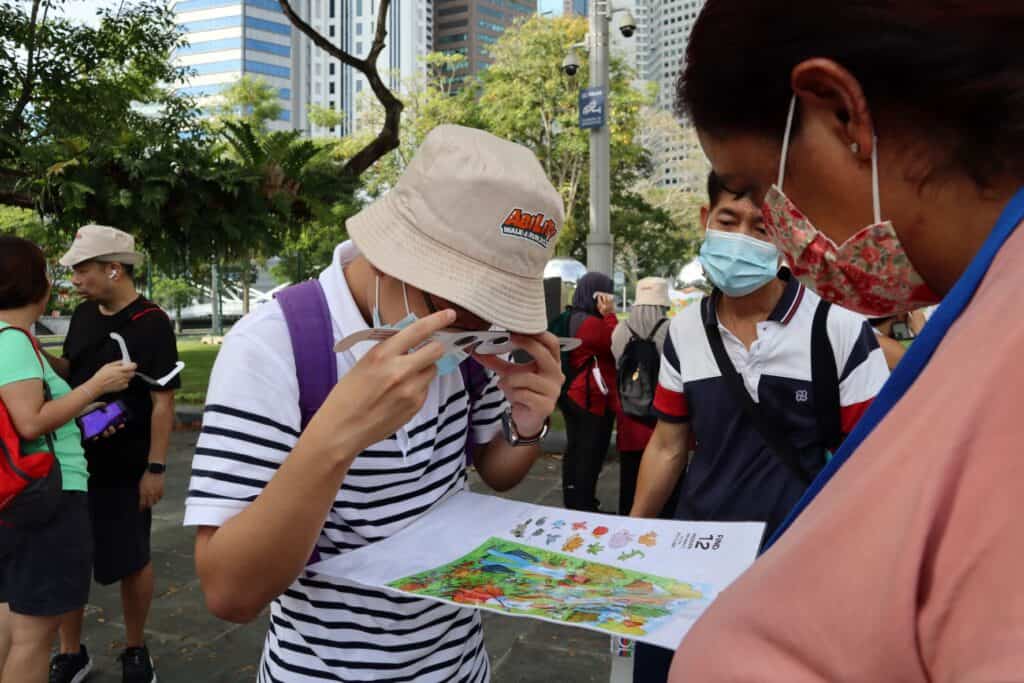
<point x="44" y="570"/>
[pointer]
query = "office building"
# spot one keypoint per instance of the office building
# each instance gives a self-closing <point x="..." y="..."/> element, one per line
<point x="577" y="7"/>
<point x="663" y="29"/>
<point x="231" y="38"/>
<point x="471" y="27"/>
<point x="352" y="23"/>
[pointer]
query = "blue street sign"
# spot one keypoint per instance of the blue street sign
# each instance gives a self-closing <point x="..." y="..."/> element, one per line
<point x="592" y="104"/>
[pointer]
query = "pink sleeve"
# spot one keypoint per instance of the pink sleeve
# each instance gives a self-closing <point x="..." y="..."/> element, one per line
<point x="971" y="611"/>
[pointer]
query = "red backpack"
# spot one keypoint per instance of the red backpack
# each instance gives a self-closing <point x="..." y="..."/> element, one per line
<point x="30" y="482"/>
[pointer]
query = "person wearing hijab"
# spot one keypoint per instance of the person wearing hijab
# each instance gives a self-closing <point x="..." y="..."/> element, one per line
<point x="591" y="399"/>
<point x="648" y="319"/>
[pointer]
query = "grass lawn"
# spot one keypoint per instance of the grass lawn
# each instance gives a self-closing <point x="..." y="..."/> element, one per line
<point x="199" y="359"/>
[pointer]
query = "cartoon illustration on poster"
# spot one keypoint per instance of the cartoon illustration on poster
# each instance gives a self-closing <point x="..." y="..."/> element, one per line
<point x="512" y="578"/>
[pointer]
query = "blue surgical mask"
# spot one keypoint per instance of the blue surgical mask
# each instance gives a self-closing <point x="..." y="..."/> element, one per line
<point x="448" y="363"/>
<point x="738" y="264"/>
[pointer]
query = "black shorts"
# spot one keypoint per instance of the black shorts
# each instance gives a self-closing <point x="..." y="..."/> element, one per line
<point x="120" y="532"/>
<point x="45" y="571"/>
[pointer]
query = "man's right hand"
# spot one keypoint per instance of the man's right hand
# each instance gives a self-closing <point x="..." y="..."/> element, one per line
<point x="111" y="378"/>
<point x="384" y="390"/>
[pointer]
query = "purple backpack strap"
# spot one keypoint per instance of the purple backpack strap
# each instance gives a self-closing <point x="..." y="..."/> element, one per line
<point x="475" y="379"/>
<point x="316" y="366"/>
<point x="309" y="326"/>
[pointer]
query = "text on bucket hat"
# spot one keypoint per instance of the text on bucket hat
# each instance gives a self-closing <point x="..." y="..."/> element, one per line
<point x="473" y="220"/>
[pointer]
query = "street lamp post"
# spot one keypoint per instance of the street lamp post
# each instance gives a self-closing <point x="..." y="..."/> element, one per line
<point x="599" y="241"/>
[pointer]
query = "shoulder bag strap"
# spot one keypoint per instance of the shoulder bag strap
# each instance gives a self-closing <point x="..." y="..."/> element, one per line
<point x="654" y="332"/>
<point x="47" y="394"/>
<point x="309" y="326"/>
<point x="825" y="379"/>
<point x="776" y="441"/>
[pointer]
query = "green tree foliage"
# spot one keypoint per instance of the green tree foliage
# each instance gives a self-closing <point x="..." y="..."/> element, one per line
<point x="525" y="97"/>
<point x="250" y="99"/>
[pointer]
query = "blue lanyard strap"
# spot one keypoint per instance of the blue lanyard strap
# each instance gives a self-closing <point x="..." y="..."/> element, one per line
<point x="921" y="351"/>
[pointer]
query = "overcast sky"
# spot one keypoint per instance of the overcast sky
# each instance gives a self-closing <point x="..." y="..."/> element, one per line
<point x="85" y="10"/>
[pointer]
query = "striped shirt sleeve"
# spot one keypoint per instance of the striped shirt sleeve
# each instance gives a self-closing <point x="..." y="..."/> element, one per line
<point x="670" y="398"/>
<point x="250" y="423"/>
<point x="862" y="362"/>
<point x="487" y="411"/>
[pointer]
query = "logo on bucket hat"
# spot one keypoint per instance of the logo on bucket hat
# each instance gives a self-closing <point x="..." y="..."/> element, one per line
<point x="531" y="226"/>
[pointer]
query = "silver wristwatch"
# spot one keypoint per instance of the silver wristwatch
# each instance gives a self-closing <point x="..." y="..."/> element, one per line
<point x="508" y="427"/>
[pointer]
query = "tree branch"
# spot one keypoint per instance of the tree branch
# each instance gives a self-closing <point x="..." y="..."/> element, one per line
<point x="14" y="198"/>
<point x="387" y="139"/>
<point x="13" y="122"/>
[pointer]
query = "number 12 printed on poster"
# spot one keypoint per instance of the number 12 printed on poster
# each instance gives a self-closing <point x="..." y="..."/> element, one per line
<point x="645" y="579"/>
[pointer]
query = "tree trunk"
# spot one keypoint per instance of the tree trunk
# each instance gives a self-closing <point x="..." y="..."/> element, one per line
<point x="177" y="318"/>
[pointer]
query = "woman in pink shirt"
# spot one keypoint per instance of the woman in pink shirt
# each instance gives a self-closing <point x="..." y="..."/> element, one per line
<point x="905" y="560"/>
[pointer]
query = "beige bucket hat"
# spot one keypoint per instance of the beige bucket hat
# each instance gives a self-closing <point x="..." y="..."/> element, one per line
<point x="653" y="291"/>
<point x="472" y="220"/>
<point x="101" y="243"/>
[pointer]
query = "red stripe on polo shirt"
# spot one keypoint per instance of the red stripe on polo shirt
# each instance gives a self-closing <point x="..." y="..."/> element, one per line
<point x="670" y="403"/>
<point x="850" y="415"/>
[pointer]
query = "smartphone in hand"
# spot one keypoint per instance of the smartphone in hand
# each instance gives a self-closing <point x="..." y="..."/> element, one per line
<point x="99" y="420"/>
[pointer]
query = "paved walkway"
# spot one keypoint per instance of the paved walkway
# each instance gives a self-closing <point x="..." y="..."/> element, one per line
<point x="191" y="646"/>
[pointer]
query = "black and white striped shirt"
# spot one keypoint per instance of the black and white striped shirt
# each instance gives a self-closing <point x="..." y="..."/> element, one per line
<point x="321" y="628"/>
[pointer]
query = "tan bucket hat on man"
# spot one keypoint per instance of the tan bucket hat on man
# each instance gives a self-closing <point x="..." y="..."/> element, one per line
<point x="101" y="243"/>
<point x="472" y="220"/>
<point x="653" y="291"/>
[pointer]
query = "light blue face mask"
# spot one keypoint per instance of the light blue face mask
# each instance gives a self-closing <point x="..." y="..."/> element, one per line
<point x="448" y="363"/>
<point x="738" y="264"/>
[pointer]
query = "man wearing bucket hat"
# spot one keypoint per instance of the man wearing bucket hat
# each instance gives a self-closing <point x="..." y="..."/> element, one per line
<point x="126" y="469"/>
<point x="460" y="242"/>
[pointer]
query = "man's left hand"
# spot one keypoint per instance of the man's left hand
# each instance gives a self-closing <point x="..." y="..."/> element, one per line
<point x="532" y="389"/>
<point x="151" y="490"/>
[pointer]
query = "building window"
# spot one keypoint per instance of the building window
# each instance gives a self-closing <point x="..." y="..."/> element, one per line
<point x="359" y="29"/>
<point x="331" y="9"/>
<point x="497" y="28"/>
<point x="451" y="10"/>
<point x="330" y="88"/>
<point x="330" y="30"/>
<point x="490" y="12"/>
<point x="359" y="8"/>
<point x="483" y="38"/>
<point x="359" y="48"/>
<point x="330" y="69"/>
<point x="459" y="23"/>
<point x="359" y="86"/>
<point x="455" y="38"/>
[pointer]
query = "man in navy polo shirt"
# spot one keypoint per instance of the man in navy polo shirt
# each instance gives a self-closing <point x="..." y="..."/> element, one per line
<point x="764" y="318"/>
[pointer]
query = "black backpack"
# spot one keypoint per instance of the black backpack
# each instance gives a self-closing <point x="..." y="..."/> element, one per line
<point x="559" y="326"/>
<point x="638" y="373"/>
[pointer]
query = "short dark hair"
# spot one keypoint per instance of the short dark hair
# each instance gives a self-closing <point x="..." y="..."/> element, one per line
<point x="954" y="69"/>
<point x="716" y="189"/>
<point x="23" y="278"/>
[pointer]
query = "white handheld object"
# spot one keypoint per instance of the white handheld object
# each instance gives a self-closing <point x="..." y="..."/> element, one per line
<point x="484" y="343"/>
<point x="162" y="381"/>
<point x="125" y="358"/>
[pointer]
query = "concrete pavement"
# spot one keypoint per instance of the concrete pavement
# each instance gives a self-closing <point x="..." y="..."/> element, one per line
<point x="191" y="646"/>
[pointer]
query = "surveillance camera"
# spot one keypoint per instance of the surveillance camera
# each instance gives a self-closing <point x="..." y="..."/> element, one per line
<point x="627" y="25"/>
<point x="571" y="64"/>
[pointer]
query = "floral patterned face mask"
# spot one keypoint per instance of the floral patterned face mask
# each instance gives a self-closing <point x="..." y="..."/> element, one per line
<point x="868" y="273"/>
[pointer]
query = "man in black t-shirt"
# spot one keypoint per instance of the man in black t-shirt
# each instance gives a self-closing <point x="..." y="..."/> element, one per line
<point x="126" y="468"/>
